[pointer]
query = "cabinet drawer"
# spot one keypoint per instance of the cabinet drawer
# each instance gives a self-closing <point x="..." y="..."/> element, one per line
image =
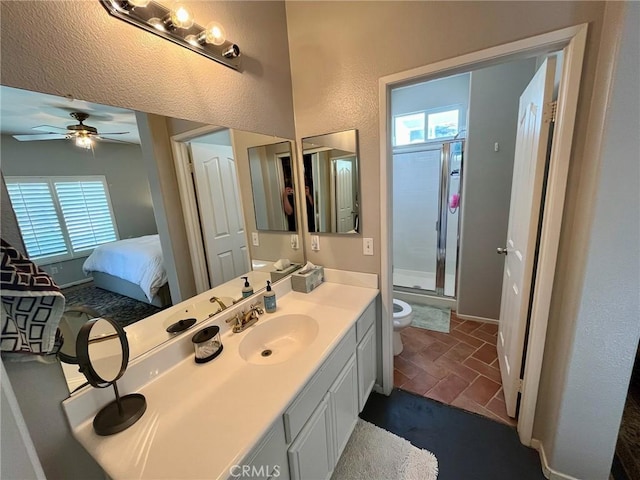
<point x="365" y="321"/>
<point x="306" y="402"/>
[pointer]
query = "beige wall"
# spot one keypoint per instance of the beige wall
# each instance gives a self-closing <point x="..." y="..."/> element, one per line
<point x="77" y="49"/>
<point x="335" y="72"/>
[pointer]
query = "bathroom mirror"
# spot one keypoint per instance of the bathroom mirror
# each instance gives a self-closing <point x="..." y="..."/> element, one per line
<point x="103" y="356"/>
<point x="273" y="187"/>
<point x="332" y="182"/>
<point x="114" y="165"/>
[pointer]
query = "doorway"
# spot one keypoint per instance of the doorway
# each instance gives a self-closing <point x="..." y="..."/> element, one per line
<point x="572" y="42"/>
<point x="429" y="125"/>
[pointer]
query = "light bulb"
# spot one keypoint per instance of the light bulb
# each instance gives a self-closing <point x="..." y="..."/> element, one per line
<point x="214" y="33"/>
<point x="84" y="141"/>
<point x="181" y="16"/>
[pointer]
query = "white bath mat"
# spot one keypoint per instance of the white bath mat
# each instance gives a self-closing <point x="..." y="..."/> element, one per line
<point x="373" y="453"/>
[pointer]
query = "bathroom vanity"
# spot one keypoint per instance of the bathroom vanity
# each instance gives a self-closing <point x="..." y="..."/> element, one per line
<point x="285" y="414"/>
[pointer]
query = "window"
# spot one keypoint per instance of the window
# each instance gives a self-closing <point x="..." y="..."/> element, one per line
<point x="409" y="129"/>
<point x="424" y="126"/>
<point x="442" y="124"/>
<point x="62" y="218"/>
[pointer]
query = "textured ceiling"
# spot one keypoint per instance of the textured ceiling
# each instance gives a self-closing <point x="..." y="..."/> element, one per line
<point x="21" y="110"/>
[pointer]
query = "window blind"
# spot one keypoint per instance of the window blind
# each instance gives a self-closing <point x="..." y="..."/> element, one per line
<point x="62" y="217"/>
<point x="86" y="213"/>
<point x="37" y="218"/>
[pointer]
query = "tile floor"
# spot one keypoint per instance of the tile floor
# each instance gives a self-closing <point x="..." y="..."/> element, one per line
<point x="459" y="368"/>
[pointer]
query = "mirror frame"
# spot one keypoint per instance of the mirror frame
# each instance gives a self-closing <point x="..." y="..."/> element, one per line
<point x="358" y="179"/>
<point x="84" y="360"/>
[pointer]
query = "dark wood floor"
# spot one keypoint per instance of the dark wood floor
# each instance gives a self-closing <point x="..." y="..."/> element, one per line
<point x="467" y="445"/>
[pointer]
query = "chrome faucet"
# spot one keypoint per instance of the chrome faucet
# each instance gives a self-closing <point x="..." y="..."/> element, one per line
<point x="244" y="320"/>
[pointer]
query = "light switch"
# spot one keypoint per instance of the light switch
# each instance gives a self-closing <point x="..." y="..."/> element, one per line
<point x="367" y="246"/>
<point x="255" y="239"/>
<point x="315" y="243"/>
<point x="496" y="147"/>
<point x="294" y="241"/>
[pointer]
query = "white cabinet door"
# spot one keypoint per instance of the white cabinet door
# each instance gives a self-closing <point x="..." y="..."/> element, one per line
<point x="344" y="405"/>
<point x="311" y="454"/>
<point x="268" y="460"/>
<point x="366" y="353"/>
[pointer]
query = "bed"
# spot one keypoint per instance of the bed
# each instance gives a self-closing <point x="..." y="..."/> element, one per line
<point x="133" y="267"/>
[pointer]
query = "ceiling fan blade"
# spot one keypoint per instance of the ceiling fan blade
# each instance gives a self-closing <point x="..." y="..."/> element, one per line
<point x="115" y="140"/>
<point x="49" y="128"/>
<point x="43" y="136"/>
<point x="113" y="133"/>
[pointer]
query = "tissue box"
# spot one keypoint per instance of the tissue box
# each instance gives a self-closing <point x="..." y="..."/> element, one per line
<point x="305" y="282"/>
<point x="279" y="274"/>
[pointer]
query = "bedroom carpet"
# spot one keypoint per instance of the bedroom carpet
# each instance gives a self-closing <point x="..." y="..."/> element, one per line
<point x="123" y="310"/>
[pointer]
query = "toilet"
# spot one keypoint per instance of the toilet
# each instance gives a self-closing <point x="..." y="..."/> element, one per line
<point x="402" y="315"/>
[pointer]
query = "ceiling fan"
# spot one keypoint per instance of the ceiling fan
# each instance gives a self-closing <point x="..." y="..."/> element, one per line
<point x="83" y="135"/>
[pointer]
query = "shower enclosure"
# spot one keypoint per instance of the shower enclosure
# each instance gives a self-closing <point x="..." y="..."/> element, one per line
<point x="427" y="184"/>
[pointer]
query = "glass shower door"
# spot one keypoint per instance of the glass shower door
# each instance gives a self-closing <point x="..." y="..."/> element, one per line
<point x="416" y="212"/>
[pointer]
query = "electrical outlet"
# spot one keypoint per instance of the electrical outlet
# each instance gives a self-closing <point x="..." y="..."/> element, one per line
<point x="315" y="243"/>
<point x="54" y="270"/>
<point x="255" y="239"/>
<point x="367" y="246"/>
<point x="294" y="241"/>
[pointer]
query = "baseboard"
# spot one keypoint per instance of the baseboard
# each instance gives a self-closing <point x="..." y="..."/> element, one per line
<point x="477" y="319"/>
<point x="79" y="282"/>
<point x="547" y="471"/>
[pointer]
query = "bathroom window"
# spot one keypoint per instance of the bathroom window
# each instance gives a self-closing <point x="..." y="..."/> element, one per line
<point x="62" y="217"/>
<point x="443" y="124"/>
<point x="409" y="129"/>
<point x="421" y="127"/>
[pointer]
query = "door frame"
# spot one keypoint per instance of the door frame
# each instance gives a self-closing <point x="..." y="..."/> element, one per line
<point x="572" y="40"/>
<point x="187" y="192"/>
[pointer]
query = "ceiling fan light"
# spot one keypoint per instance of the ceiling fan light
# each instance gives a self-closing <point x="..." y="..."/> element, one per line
<point x="84" y="141"/>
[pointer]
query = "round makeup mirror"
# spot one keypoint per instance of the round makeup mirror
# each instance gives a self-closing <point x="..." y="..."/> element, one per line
<point x="72" y="320"/>
<point x="102" y="352"/>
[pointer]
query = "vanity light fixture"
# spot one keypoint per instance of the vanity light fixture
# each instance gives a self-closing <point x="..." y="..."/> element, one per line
<point x="176" y="23"/>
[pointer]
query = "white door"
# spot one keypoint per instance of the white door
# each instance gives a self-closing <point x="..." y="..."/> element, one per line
<point x="220" y="212"/>
<point x="534" y="118"/>
<point x="344" y="195"/>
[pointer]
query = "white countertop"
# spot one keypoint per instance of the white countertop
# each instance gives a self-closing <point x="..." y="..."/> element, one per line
<point x="202" y="419"/>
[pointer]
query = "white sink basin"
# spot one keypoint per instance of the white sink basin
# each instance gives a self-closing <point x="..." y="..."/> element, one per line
<point x="278" y="339"/>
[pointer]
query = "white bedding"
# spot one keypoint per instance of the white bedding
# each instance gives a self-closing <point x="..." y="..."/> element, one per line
<point x="138" y="260"/>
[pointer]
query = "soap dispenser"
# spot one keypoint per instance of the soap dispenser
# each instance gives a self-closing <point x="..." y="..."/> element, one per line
<point x="247" y="290"/>
<point x="269" y="299"/>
